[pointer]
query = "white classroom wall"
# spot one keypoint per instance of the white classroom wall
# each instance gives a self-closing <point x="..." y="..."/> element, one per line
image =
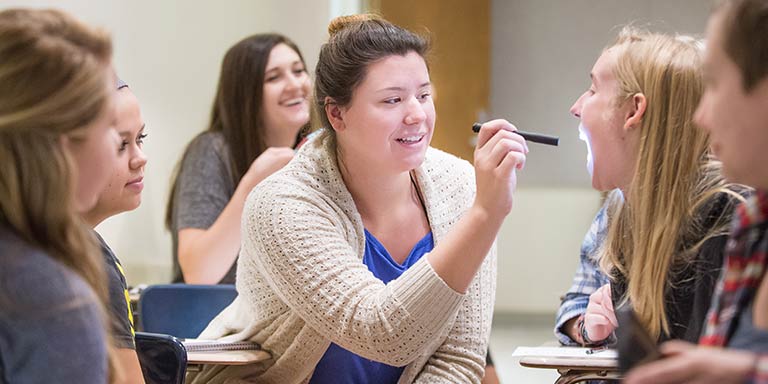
<point x="169" y="51"/>
<point x="542" y="53"/>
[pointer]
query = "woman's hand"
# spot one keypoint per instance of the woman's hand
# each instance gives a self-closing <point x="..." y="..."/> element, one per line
<point x="272" y="159"/>
<point x="600" y="319"/>
<point x="689" y="363"/>
<point x="498" y="154"/>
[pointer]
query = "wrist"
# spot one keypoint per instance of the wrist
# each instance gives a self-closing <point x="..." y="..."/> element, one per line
<point x="485" y="218"/>
<point x="584" y="334"/>
<point x="574" y="329"/>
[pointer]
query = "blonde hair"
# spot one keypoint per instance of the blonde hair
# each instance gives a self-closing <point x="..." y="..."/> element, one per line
<point x="658" y="226"/>
<point x="53" y="82"/>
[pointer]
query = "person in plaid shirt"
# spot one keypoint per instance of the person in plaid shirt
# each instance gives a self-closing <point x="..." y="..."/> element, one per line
<point x="734" y="110"/>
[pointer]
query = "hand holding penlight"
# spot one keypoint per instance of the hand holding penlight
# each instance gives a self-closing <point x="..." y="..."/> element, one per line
<point x="528" y="136"/>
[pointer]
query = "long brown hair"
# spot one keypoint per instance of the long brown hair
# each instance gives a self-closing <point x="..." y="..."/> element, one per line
<point x="53" y="82"/>
<point x="657" y="226"/>
<point x="745" y="38"/>
<point x="237" y="109"/>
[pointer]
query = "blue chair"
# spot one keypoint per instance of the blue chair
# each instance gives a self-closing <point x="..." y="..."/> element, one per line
<point x="182" y="310"/>
<point x="163" y="358"/>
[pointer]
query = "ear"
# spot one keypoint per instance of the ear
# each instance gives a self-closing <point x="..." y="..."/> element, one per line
<point x="334" y="113"/>
<point x="635" y="112"/>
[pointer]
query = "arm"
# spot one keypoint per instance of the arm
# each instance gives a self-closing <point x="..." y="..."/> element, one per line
<point x="209" y="213"/>
<point x="588" y="279"/>
<point x="687" y="363"/>
<point x="130" y="369"/>
<point x="461" y="356"/>
<point x="300" y="244"/>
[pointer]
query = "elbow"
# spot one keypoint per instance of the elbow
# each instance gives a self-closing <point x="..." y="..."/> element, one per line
<point x="397" y="356"/>
<point x="192" y="271"/>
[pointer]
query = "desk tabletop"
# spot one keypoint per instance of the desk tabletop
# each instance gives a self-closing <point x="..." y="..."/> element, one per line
<point x="227" y="357"/>
<point x="571" y="363"/>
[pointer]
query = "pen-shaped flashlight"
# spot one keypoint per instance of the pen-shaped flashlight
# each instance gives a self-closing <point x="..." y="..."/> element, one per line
<point x="528" y="136"/>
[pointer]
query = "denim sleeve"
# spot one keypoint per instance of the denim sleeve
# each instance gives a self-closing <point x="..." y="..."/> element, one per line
<point x="588" y="278"/>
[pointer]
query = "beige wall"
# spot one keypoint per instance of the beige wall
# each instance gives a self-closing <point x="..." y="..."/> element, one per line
<point x="542" y="53"/>
<point x="542" y="50"/>
<point x="169" y="52"/>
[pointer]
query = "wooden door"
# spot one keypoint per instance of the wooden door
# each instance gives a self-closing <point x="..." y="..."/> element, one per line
<point x="459" y="63"/>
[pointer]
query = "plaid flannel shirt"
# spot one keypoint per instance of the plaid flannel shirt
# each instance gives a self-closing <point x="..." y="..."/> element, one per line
<point x="745" y="267"/>
<point x="588" y="278"/>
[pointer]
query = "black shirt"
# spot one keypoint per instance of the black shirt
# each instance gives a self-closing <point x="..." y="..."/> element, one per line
<point x="121" y="318"/>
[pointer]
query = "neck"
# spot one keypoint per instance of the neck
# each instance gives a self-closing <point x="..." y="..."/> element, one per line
<point x="94" y="218"/>
<point x="280" y="136"/>
<point x="375" y="194"/>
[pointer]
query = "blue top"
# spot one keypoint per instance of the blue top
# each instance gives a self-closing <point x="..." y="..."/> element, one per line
<point x="341" y="366"/>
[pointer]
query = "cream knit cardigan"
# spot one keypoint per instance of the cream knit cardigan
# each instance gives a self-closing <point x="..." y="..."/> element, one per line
<point x="302" y="283"/>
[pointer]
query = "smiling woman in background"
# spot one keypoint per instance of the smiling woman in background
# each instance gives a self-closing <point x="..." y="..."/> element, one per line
<point x="260" y="107"/>
<point x="57" y="148"/>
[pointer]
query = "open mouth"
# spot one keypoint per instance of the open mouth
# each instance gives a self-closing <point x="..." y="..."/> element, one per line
<point x="293" y="102"/>
<point x="410" y="139"/>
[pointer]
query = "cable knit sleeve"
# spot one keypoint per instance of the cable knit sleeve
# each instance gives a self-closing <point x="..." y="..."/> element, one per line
<point x="305" y="249"/>
<point x="461" y="356"/>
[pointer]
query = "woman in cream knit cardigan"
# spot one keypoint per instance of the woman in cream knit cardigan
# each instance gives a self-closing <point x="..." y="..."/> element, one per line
<point x="308" y="292"/>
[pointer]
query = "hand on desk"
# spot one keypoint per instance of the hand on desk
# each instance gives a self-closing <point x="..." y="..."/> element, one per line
<point x="600" y="320"/>
<point x="688" y="363"/>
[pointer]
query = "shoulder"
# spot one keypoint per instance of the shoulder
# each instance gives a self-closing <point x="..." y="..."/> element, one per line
<point x="33" y="282"/>
<point x="445" y="176"/>
<point x="208" y="144"/>
<point x="306" y="193"/>
<point x="442" y="165"/>
<point x="205" y="160"/>
<point x="312" y="172"/>
<point x="719" y="208"/>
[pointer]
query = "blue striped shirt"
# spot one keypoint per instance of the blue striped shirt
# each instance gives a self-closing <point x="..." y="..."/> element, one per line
<point x="588" y="277"/>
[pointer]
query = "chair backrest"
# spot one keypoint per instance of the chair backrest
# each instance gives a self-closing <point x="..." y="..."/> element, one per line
<point x="182" y="310"/>
<point x="163" y="358"/>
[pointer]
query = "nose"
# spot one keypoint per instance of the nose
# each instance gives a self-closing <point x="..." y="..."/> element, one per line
<point x="295" y="81"/>
<point x="700" y="115"/>
<point x="576" y="107"/>
<point x="139" y="160"/>
<point x="415" y="113"/>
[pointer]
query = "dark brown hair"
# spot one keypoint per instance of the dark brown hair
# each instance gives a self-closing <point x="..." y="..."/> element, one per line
<point x="355" y="42"/>
<point x="745" y="38"/>
<point x="236" y="111"/>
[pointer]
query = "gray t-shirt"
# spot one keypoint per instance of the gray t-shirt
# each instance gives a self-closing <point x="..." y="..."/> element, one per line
<point x="204" y="188"/>
<point x="50" y="323"/>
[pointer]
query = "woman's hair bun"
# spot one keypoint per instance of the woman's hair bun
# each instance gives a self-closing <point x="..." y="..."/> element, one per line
<point x="341" y="22"/>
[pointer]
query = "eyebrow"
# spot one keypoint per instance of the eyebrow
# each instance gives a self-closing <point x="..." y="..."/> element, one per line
<point x="128" y="132"/>
<point x="424" y="85"/>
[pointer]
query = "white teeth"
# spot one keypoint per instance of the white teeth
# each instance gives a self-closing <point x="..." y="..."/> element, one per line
<point x="292" y="102"/>
<point x="410" y="139"/>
